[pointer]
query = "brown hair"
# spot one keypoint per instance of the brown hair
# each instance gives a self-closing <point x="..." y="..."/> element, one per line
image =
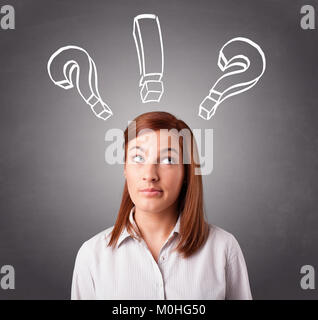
<point x="194" y="229"/>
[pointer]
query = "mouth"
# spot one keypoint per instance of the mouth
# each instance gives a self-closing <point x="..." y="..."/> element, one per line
<point x="151" y="192"/>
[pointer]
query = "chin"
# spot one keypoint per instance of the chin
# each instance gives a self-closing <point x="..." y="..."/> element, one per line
<point x="151" y="205"/>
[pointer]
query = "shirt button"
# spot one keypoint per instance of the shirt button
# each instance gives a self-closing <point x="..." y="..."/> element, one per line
<point x="163" y="259"/>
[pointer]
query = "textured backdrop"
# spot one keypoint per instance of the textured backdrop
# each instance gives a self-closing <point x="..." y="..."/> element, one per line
<point x="56" y="190"/>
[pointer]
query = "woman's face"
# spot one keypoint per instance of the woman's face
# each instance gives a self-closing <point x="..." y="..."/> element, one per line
<point x="154" y="170"/>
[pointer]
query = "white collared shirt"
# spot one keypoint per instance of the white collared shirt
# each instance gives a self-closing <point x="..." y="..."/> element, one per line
<point x="216" y="271"/>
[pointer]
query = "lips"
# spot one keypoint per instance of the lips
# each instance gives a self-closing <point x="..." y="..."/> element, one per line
<point x="151" y="192"/>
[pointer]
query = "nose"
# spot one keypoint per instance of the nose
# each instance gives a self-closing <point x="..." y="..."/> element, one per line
<point x="150" y="173"/>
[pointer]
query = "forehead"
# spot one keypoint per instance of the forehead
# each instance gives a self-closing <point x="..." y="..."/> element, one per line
<point x="159" y="139"/>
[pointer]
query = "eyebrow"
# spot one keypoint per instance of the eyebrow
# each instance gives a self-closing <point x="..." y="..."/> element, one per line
<point x="163" y="150"/>
<point x="137" y="147"/>
<point x="170" y="149"/>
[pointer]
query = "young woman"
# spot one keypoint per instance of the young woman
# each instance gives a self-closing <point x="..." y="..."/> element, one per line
<point x="161" y="246"/>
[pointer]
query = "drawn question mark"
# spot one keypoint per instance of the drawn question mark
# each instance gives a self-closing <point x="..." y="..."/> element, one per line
<point x="234" y="81"/>
<point x="76" y="59"/>
<point x="147" y="35"/>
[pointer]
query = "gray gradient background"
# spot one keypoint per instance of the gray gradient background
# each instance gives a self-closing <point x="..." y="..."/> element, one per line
<point x="56" y="191"/>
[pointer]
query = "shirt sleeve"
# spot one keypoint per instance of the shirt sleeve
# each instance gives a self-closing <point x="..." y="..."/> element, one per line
<point x="82" y="282"/>
<point x="237" y="281"/>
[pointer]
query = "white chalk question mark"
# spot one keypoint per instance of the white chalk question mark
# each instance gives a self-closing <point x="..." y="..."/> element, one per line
<point x="147" y="34"/>
<point x="86" y="81"/>
<point x="233" y="82"/>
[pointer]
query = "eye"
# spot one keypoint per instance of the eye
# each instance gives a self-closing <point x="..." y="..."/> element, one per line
<point x="138" y="159"/>
<point x="168" y="160"/>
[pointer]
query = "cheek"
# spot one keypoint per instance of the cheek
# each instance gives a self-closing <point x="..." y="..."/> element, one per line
<point x="173" y="178"/>
<point x="131" y="175"/>
<point x="131" y="185"/>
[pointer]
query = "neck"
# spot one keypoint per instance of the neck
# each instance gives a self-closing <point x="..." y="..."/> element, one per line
<point x="156" y="225"/>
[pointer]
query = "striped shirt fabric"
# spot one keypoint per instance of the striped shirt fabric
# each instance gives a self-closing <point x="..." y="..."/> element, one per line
<point x="217" y="271"/>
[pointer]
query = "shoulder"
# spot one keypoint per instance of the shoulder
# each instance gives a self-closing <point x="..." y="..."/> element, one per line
<point x="224" y="241"/>
<point x="91" y="248"/>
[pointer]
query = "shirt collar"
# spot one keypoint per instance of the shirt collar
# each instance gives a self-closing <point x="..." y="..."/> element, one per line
<point x="125" y="233"/>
